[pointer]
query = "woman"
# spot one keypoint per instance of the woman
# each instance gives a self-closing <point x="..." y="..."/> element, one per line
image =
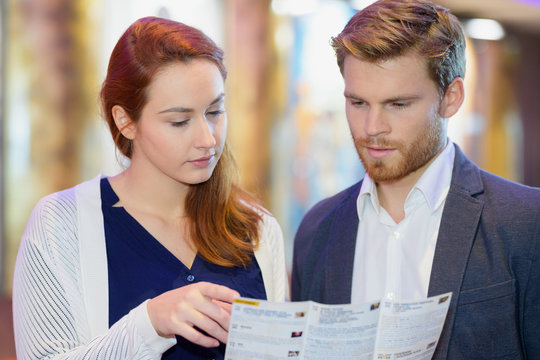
<point x="145" y="264"/>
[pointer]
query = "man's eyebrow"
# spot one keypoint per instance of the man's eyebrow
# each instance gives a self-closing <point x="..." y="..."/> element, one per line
<point x="402" y="98"/>
<point x="398" y="98"/>
<point x="349" y="95"/>
<point x="180" y="109"/>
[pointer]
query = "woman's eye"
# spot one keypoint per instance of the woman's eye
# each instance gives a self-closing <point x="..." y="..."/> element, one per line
<point x="215" y="112"/>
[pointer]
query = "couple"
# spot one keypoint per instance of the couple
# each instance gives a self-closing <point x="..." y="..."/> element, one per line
<point x="145" y="264"/>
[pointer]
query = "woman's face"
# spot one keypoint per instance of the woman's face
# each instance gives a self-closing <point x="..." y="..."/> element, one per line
<point x="183" y="126"/>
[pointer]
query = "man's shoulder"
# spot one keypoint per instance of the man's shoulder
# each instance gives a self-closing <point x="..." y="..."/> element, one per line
<point x="498" y="181"/>
<point x="495" y="191"/>
<point x="506" y="191"/>
<point x="325" y="210"/>
<point x="333" y="202"/>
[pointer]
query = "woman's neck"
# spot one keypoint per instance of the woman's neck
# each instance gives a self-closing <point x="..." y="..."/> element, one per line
<point x="149" y="192"/>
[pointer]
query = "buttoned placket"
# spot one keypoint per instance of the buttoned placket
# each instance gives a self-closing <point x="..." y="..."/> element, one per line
<point x="393" y="265"/>
<point x="395" y="245"/>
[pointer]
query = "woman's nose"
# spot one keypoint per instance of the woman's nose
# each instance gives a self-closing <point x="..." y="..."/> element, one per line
<point x="205" y="134"/>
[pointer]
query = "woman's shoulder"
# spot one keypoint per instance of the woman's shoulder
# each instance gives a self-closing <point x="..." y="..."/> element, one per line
<point x="53" y="222"/>
<point x="58" y="203"/>
<point x="66" y="200"/>
<point x="59" y="210"/>
<point x="269" y="227"/>
<point x="268" y="220"/>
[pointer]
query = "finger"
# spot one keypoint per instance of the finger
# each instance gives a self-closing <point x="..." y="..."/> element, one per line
<point x="193" y="335"/>
<point x="214" y="312"/>
<point x="218" y="292"/>
<point x="224" y="305"/>
<point x="203" y="302"/>
<point x="214" y="327"/>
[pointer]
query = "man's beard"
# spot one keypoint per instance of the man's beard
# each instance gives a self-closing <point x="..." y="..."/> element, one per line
<point x="410" y="157"/>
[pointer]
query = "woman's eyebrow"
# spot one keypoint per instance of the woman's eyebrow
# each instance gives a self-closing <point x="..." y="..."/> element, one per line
<point x="181" y="109"/>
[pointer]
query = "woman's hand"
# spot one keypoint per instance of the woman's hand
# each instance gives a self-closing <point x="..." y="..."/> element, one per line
<point x="204" y="305"/>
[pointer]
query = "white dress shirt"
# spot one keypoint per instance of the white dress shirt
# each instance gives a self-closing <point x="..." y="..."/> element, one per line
<point x="393" y="261"/>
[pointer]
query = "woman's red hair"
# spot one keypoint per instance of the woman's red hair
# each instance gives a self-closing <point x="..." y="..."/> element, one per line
<point x="223" y="218"/>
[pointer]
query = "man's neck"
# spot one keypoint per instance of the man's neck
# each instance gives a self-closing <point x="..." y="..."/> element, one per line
<point x="392" y="194"/>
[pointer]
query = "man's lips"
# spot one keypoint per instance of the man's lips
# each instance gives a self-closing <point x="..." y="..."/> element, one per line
<point x="379" y="152"/>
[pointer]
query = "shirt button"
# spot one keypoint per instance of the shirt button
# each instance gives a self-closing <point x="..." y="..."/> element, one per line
<point x="190" y="278"/>
<point x="395" y="235"/>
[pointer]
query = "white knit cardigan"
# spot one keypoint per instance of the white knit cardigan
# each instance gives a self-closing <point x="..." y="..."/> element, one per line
<point x="60" y="286"/>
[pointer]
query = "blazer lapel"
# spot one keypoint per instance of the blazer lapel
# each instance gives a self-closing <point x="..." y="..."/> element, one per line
<point x="459" y="222"/>
<point x="340" y="260"/>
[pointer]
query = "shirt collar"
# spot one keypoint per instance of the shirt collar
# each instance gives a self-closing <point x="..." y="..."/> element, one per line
<point x="435" y="181"/>
<point x="433" y="184"/>
<point x="368" y="193"/>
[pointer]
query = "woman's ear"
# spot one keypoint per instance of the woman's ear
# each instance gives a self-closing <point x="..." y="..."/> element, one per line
<point x="123" y="122"/>
<point x="453" y="98"/>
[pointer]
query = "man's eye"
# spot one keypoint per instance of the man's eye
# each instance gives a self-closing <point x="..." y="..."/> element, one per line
<point x="400" y="105"/>
<point x="179" y="123"/>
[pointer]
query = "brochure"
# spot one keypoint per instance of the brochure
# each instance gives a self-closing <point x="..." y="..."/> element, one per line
<point x="403" y="330"/>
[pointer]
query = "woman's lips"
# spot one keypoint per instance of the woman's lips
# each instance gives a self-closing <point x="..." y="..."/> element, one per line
<point x="202" y="162"/>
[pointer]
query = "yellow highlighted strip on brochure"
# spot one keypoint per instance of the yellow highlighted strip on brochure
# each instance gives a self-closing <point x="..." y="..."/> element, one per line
<point x="246" y="302"/>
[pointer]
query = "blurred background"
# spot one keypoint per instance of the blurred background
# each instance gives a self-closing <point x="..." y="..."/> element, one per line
<point x="284" y="99"/>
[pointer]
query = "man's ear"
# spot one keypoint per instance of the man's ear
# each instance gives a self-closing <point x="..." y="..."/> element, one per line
<point x="123" y="122"/>
<point x="453" y="98"/>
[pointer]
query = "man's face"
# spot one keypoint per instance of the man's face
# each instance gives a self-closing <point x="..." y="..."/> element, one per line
<point x="393" y="110"/>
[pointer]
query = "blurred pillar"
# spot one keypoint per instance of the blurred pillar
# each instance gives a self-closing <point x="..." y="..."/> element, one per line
<point x="494" y="144"/>
<point x="58" y="61"/>
<point x="3" y="18"/>
<point x="529" y="101"/>
<point x="52" y="72"/>
<point x="248" y="54"/>
<point x="503" y="130"/>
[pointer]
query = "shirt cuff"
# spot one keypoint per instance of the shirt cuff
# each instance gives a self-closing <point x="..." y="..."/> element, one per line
<point x="147" y="332"/>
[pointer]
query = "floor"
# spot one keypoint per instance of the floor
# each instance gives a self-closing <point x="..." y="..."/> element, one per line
<point x="7" y="344"/>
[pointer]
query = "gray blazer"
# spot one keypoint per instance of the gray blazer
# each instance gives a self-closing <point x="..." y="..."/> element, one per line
<point x="487" y="255"/>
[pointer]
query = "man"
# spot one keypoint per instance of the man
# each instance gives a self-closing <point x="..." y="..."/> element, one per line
<point x="424" y="220"/>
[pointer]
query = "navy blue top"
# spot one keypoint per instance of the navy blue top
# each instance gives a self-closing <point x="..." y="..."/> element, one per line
<point x="140" y="268"/>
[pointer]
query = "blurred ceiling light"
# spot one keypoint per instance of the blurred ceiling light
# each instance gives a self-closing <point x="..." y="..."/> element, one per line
<point x="283" y="36"/>
<point x="484" y="29"/>
<point x="360" y="4"/>
<point x="295" y="7"/>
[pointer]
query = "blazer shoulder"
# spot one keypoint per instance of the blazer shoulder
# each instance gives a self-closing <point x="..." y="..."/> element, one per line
<point x="498" y="190"/>
<point x="323" y="211"/>
<point x="330" y="204"/>
<point x="497" y="193"/>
